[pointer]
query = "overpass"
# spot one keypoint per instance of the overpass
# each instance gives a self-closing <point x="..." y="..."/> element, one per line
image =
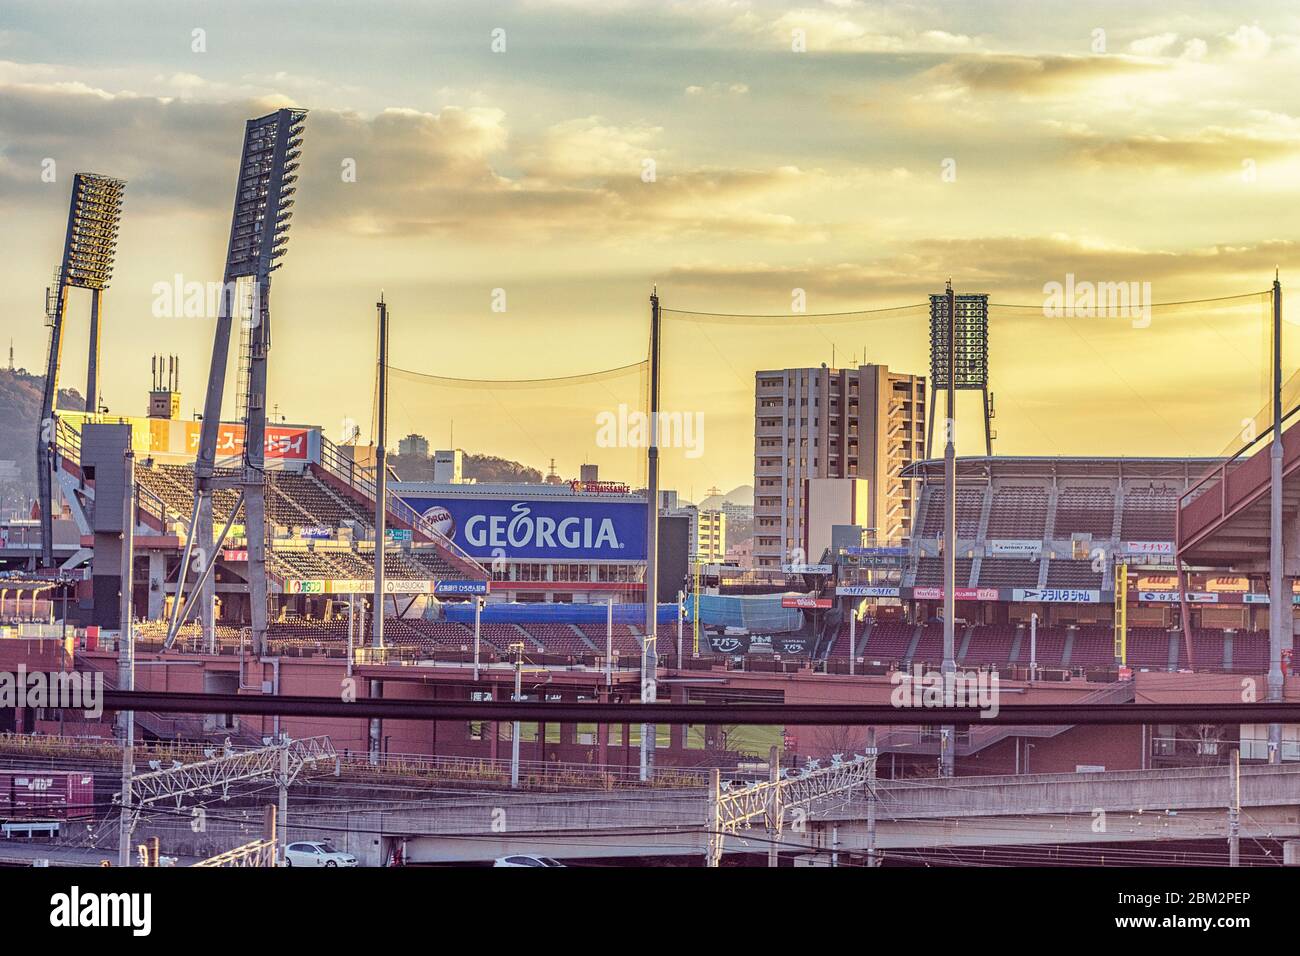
<point x="1117" y="806"/>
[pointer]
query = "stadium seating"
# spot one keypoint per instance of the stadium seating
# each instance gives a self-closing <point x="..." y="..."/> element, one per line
<point x="1009" y="573"/>
<point x="1149" y="513"/>
<point x="1084" y="509"/>
<point x="889" y="641"/>
<point x="1068" y="573"/>
<point x="1250" y="651"/>
<point x="1149" y="647"/>
<point x="990" y="644"/>
<point x="929" y="572"/>
<point x="1018" y="511"/>
<point x="1092" y="646"/>
<point x="970" y="502"/>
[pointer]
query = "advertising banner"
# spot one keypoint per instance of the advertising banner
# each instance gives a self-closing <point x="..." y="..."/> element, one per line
<point x="559" y="529"/>
<point x="959" y="594"/>
<point x="866" y="590"/>
<point x="460" y="587"/>
<point x="1016" y="547"/>
<point x="1147" y="547"/>
<point x="1057" y="595"/>
<point x="805" y="603"/>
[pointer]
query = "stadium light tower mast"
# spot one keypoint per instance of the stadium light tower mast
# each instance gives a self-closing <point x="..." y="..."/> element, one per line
<point x="649" y="649"/>
<point x="94" y="215"/>
<point x="258" y="238"/>
<point x="949" y="666"/>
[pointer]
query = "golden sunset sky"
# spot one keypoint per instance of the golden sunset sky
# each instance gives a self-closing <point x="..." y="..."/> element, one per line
<point x="1004" y="144"/>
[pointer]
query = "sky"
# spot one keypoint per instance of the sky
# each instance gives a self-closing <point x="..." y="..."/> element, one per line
<point x="517" y="176"/>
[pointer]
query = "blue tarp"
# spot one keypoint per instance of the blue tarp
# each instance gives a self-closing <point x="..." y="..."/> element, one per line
<point x="759" y="613"/>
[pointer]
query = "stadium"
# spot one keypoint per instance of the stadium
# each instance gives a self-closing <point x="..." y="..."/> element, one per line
<point x="911" y="658"/>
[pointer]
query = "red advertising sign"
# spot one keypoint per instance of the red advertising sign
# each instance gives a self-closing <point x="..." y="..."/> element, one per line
<point x="281" y="443"/>
<point x="805" y="602"/>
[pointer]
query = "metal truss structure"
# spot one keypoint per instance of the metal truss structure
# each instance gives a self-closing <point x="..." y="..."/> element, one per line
<point x="257" y="853"/>
<point x="259" y="236"/>
<point x="89" y="246"/>
<point x="281" y="762"/>
<point x="734" y="809"/>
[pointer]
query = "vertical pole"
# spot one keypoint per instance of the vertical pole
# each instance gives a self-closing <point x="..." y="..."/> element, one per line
<point x="283" y="815"/>
<point x="352" y="614"/>
<point x="649" y="652"/>
<point x="270" y="834"/>
<point x="609" y="642"/>
<point x="92" y="360"/>
<point x="514" y="733"/>
<point x="259" y="349"/>
<point x="478" y="612"/>
<point x="381" y="490"/>
<point x="853" y="640"/>
<point x="950" y="535"/>
<point x="47" y="442"/>
<point x="681" y="613"/>
<point x="713" y="838"/>
<point x="126" y="661"/>
<point x="1234" y="813"/>
<point x="1279" y="597"/>
<point x="774" y="812"/>
<point x="1033" y="645"/>
<point x="872" y="755"/>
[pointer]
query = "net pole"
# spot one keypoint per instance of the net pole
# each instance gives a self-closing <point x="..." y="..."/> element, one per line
<point x="1279" y="614"/>
<point x="650" y="657"/>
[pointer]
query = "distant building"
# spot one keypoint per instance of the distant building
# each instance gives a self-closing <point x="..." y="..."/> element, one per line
<point x="711" y="536"/>
<point x="448" y="464"/>
<point x="414" y="445"/>
<point x="865" y="422"/>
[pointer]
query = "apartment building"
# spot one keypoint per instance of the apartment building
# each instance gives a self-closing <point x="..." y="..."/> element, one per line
<point x="865" y="422"/>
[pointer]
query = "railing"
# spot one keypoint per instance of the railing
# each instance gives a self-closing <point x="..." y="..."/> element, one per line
<point x="359" y="478"/>
<point x="257" y="853"/>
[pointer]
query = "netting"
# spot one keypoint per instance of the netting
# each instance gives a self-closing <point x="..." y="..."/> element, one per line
<point x="1166" y="379"/>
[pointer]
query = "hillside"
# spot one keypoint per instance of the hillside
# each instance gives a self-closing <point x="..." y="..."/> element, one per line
<point x="20" y="406"/>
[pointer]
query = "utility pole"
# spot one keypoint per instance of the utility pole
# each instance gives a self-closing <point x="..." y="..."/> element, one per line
<point x="1234" y="813"/>
<point x="1279" y="595"/>
<point x="126" y="659"/>
<point x="853" y="640"/>
<point x="381" y="514"/>
<point x="775" y="812"/>
<point x="609" y="642"/>
<point x="872" y="753"/>
<point x="478" y="612"/>
<point x="282" y="782"/>
<point x="649" y="650"/>
<point x="1033" y="646"/>
<point x="681" y="613"/>
<point x="950" y="537"/>
<point x="514" y="732"/>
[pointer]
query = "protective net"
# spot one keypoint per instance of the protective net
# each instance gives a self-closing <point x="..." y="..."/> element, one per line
<point x="1159" y="379"/>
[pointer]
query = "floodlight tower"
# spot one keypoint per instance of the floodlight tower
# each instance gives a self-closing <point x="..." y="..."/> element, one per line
<point x="258" y="239"/>
<point x="94" y="215"/>
<point x="970" y="359"/>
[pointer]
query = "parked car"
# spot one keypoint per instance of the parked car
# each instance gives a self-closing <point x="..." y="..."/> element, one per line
<point x="526" y="861"/>
<point x="316" y="853"/>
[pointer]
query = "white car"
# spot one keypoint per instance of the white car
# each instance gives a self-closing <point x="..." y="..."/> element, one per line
<point x="316" y="853"/>
<point x="526" y="861"/>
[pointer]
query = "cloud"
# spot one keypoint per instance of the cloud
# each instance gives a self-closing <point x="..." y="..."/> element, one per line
<point x="1154" y="45"/>
<point x="1208" y="150"/>
<point x="1035" y="75"/>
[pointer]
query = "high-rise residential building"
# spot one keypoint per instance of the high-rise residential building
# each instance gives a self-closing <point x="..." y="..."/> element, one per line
<point x="711" y="536"/>
<point x="413" y="445"/>
<point x="865" y="422"/>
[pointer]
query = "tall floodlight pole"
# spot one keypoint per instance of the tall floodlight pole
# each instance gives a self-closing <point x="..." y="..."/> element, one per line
<point x="649" y="654"/>
<point x="1279" y="595"/>
<point x="381" y="514"/>
<point x="259" y="228"/>
<point x="950" y="534"/>
<point x="89" y="245"/>
<point x="126" y="658"/>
